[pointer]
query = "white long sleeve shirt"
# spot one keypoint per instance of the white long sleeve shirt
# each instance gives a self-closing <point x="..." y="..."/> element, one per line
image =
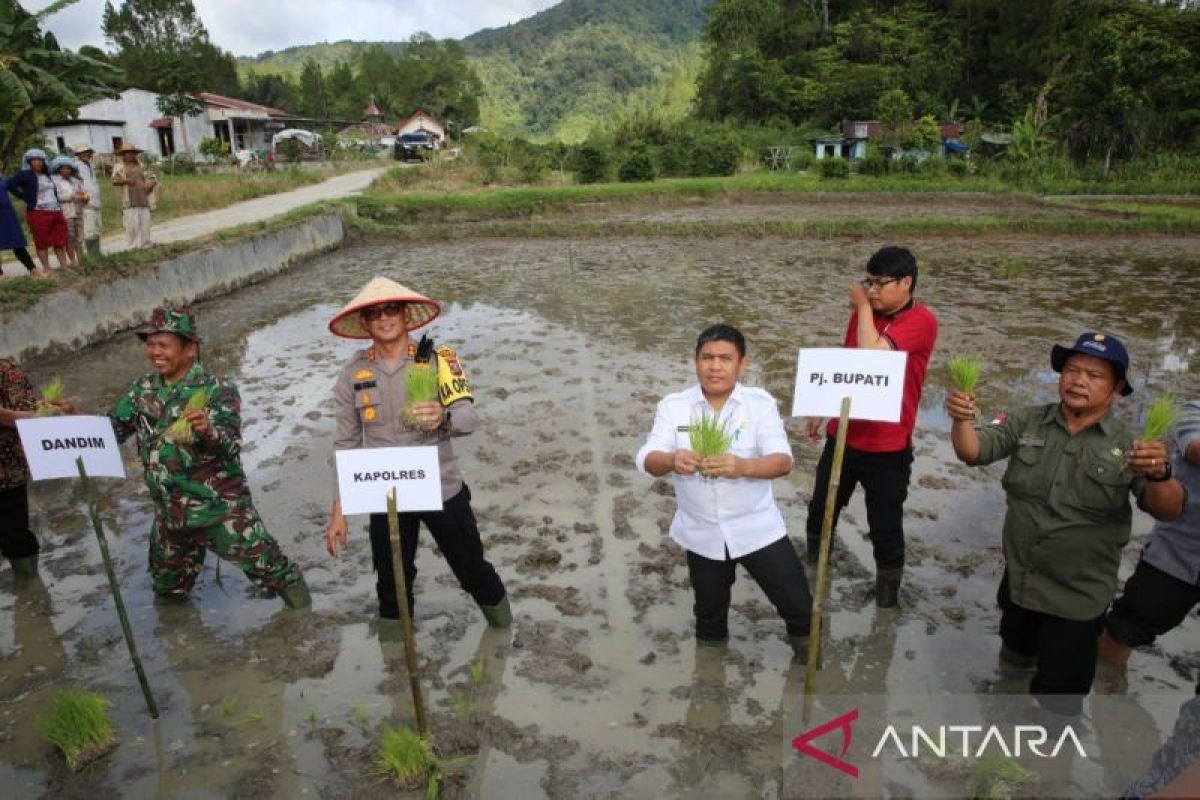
<point x="719" y="514"/>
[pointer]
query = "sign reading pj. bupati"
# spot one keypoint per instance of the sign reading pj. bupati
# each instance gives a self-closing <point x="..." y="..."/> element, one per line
<point x="872" y="379"/>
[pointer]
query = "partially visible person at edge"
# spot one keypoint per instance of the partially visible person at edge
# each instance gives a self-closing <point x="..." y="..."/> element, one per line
<point x="17" y="542"/>
<point x="91" y="207"/>
<point x="43" y="213"/>
<point x="137" y="187"/>
<point x="69" y="189"/>
<point x="727" y="513"/>
<point x="12" y="236"/>
<point x="1072" y="467"/>
<point x="1165" y="586"/>
<point x="371" y="397"/>
<point x="879" y="455"/>
<point x="197" y="484"/>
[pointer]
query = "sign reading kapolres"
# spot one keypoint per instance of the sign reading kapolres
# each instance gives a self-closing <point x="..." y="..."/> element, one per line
<point x="52" y="444"/>
<point x="872" y="379"/>
<point x="366" y="476"/>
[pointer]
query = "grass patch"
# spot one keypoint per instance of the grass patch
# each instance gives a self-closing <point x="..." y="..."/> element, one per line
<point x="77" y="724"/>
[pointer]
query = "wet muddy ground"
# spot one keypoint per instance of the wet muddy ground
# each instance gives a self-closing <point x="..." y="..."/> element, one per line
<point x="599" y="690"/>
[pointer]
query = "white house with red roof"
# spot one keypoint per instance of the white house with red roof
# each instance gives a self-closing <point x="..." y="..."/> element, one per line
<point x="422" y="120"/>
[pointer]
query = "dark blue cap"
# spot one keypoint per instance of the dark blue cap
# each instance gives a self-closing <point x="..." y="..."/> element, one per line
<point x="1099" y="345"/>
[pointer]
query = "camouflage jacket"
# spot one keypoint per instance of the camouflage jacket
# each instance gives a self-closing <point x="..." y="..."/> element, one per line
<point x="193" y="485"/>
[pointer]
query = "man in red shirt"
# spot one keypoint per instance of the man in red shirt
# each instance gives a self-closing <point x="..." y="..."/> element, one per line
<point x="879" y="454"/>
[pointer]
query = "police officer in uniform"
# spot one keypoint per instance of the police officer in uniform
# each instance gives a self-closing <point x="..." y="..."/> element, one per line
<point x="373" y="411"/>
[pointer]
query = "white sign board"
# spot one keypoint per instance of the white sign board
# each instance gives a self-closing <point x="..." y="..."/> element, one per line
<point x="872" y="379"/>
<point x="52" y="444"/>
<point x="366" y="476"/>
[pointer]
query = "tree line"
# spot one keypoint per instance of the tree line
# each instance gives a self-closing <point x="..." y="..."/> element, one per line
<point x="1108" y="78"/>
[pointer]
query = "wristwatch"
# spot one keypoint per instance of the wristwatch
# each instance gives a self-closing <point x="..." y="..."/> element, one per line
<point x="1166" y="476"/>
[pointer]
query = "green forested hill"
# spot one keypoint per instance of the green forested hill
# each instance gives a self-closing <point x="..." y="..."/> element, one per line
<point x="562" y="70"/>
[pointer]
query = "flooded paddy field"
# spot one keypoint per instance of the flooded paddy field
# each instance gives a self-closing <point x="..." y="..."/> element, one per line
<point x="598" y="691"/>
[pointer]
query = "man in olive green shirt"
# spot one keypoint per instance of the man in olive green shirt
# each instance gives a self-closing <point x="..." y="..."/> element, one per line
<point x="1072" y="467"/>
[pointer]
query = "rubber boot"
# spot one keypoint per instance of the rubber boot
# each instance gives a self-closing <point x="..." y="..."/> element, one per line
<point x="92" y="247"/>
<point x="799" y="645"/>
<point x="887" y="587"/>
<point x="295" y="595"/>
<point x="25" y="568"/>
<point x="499" y="615"/>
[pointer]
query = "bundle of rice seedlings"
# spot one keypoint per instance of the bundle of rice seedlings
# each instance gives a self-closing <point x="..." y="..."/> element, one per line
<point x="180" y="431"/>
<point x="1160" y="418"/>
<point x="964" y="373"/>
<point x="77" y="724"/>
<point x="421" y="386"/>
<point x="709" y="436"/>
<point x="408" y="759"/>
<point x="1000" y="778"/>
<point x="50" y="395"/>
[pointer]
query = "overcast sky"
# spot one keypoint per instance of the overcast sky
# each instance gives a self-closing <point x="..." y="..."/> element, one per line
<point x="248" y="28"/>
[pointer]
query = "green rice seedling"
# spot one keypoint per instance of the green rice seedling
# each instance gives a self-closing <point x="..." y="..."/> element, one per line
<point x="1160" y="418"/>
<point x="999" y="778"/>
<point x="709" y="436"/>
<point x="964" y="373"/>
<point x="421" y="385"/>
<point x="229" y="706"/>
<point x="477" y="672"/>
<point x="51" y="394"/>
<point x="180" y="431"/>
<point x="362" y="716"/>
<point x="1012" y="268"/>
<point x="462" y="706"/>
<point x="408" y="760"/>
<point x="77" y="724"/>
<point x="254" y="715"/>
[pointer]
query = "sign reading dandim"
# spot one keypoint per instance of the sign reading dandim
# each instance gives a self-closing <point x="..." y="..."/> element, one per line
<point x="366" y="476"/>
<point x="52" y="444"/>
<point x="872" y="379"/>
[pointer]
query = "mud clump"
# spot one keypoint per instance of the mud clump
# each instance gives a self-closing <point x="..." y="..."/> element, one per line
<point x="565" y="599"/>
<point x="551" y="656"/>
<point x="540" y="560"/>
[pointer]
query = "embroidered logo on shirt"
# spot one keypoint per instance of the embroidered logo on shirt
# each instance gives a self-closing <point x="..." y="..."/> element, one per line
<point x="364" y="374"/>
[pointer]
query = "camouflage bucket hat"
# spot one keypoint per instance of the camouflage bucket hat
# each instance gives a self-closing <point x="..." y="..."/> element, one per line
<point x="179" y="321"/>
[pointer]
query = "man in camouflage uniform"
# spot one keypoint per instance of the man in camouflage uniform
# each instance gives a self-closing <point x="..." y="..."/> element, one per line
<point x="193" y="468"/>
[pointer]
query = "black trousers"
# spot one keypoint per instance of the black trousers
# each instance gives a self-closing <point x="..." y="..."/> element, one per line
<point x="1065" y="651"/>
<point x="23" y="256"/>
<point x="457" y="535"/>
<point x="775" y="568"/>
<point x="884" y="478"/>
<point x="1153" y="603"/>
<point x="16" y="540"/>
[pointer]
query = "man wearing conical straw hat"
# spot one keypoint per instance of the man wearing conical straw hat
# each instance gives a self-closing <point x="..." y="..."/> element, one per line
<point x="374" y="410"/>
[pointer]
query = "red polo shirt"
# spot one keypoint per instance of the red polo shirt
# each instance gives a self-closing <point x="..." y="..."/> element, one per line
<point x="912" y="329"/>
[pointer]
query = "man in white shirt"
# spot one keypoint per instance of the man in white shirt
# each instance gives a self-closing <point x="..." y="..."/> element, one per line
<point x="727" y="513"/>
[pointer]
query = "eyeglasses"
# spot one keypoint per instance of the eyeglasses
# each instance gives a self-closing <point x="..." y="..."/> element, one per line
<point x="375" y="312"/>
<point x="877" y="283"/>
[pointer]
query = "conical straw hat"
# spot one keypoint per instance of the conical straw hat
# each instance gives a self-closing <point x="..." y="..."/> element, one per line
<point x="419" y="310"/>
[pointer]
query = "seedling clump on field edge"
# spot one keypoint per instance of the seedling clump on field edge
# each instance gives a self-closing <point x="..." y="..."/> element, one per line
<point x="51" y="395"/>
<point x="181" y="431"/>
<point x="408" y="760"/>
<point x="1160" y="418"/>
<point x="1000" y="777"/>
<point x="77" y="724"/>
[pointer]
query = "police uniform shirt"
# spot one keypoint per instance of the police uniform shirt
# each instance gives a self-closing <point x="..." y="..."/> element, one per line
<point x="716" y="514"/>
<point x="371" y="399"/>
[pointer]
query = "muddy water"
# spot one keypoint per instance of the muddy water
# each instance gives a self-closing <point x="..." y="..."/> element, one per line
<point x="600" y="690"/>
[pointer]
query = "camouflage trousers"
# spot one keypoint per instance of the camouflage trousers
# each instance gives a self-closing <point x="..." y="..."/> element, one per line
<point x="177" y="554"/>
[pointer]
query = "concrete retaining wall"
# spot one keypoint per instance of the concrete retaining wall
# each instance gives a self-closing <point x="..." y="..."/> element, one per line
<point x="73" y="318"/>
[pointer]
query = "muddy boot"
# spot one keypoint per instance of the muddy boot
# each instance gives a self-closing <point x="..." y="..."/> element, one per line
<point x="799" y="643"/>
<point x="25" y="569"/>
<point x="92" y="247"/>
<point x="887" y="587"/>
<point x="295" y="595"/>
<point x="499" y="615"/>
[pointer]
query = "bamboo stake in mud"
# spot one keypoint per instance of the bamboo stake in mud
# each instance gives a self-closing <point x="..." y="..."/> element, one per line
<point x="89" y="494"/>
<point x="410" y="643"/>
<point x="822" y="587"/>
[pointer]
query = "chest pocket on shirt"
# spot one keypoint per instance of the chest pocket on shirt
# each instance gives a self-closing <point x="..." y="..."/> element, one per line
<point x="1026" y="474"/>
<point x="370" y="410"/>
<point x="1106" y="487"/>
